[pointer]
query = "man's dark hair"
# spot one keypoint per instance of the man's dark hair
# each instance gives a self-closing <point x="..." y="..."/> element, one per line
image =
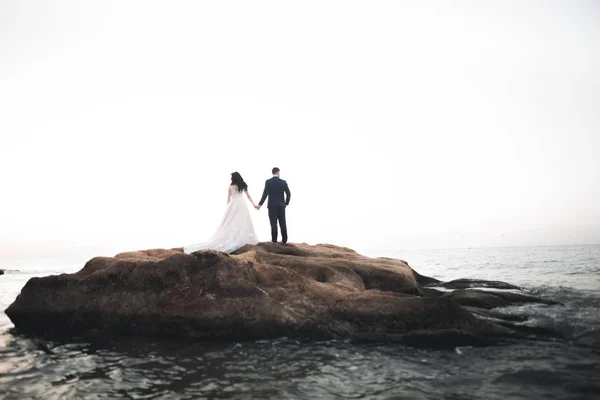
<point x="275" y="170"/>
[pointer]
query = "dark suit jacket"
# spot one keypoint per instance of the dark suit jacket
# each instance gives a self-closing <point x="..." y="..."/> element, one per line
<point x="274" y="189"/>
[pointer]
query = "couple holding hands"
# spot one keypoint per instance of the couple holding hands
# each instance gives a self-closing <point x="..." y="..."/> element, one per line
<point x="236" y="228"/>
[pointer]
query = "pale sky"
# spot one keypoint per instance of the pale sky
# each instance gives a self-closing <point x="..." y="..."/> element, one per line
<point x="397" y="124"/>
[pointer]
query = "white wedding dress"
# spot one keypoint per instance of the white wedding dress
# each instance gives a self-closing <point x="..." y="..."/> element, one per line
<point x="236" y="228"/>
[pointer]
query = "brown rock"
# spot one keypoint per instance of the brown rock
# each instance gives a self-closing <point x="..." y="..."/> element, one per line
<point x="261" y="291"/>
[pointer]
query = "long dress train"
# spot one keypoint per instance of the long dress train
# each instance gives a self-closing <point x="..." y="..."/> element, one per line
<point x="236" y="228"/>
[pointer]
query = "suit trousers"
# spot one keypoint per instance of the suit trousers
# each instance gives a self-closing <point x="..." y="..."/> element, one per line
<point x="278" y="214"/>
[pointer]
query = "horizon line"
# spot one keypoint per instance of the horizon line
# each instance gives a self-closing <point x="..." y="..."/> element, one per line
<point x="487" y="247"/>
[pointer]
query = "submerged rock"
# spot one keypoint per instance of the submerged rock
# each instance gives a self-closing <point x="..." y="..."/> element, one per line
<point x="262" y="291"/>
<point x="496" y="315"/>
<point x="476" y="283"/>
<point x="492" y="299"/>
<point x="477" y="298"/>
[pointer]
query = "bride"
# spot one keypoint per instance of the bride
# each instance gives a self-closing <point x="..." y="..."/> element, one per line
<point x="236" y="228"/>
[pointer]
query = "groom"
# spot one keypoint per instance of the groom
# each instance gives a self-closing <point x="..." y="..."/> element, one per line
<point x="274" y="189"/>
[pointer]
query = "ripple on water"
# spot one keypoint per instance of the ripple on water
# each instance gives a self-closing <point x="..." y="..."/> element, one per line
<point x="289" y="369"/>
<point x="152" y="369"/>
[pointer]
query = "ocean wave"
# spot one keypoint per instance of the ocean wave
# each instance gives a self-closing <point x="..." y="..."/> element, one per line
<point x="568" y="294"/>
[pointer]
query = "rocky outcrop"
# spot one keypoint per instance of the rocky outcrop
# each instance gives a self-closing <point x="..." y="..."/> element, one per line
<point x="262" y="291"/>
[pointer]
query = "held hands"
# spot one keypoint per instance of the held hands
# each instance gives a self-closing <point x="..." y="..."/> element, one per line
<point x="257" y="207"/>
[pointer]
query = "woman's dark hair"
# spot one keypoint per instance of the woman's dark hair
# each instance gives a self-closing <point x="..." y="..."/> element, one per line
<point x="237" y="180"/>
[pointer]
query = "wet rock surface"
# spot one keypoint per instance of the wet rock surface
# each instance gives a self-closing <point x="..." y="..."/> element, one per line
<point x="268" y="291"/>
<point x="475" y="283"/>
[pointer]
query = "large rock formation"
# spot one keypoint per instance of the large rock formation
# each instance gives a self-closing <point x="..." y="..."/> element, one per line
<point x="261" y="291"/>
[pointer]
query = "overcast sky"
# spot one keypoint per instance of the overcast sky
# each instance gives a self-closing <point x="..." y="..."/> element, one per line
<point x="397" y="124"/>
